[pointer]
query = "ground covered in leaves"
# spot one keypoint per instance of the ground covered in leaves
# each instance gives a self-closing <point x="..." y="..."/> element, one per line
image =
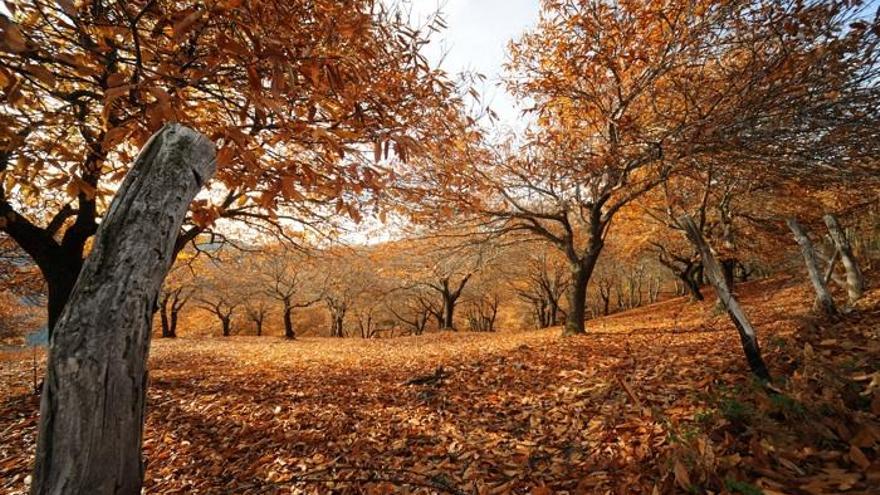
<point x="656" y="400"/>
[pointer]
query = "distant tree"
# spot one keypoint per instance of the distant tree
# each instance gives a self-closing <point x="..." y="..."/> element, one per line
<point x="177" y="290"/>
<point x="482" y="313"/>
<point x="285" y="278"/>
<point x="217" y="292"/>
<point x="543" y="287"/>
<point x="257" y="310"/>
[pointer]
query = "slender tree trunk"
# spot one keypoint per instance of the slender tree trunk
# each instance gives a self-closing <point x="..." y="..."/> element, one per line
<point x="92" y="409"/>
<point x="289" y="333"/>
<point x="712" y="269"/>
<point x="163" y="316"/>
<point x="338" y="322"/>
<point x="855" y="281"/>
<point x="829" y="270"/>
<point x="227" y="326"/>
<point x="172" y="329"/>
<point x="259" y="327"/>
<point x="824" y="301"/>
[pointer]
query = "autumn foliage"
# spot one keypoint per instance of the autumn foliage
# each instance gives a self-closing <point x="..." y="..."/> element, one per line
<point x="690" y="199"/>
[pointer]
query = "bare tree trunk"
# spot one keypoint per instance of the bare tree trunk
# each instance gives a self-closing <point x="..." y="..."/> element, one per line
<point x="448" y="311"/>
<point x="226" y="323"/>
<point x="577" y="302"/>
<point x="163" y="315"/>
<point x="824" y="301"/>
<point x="289" y="332"/>
<point x="829" y="270"/>
<point x="690" y="280"/>
<point x="712" y="269"/>
<point x="855" y="282"/>
<point x="92" y="410"/>
<point x="173" y="328"/>
<point x="577" y="291"/>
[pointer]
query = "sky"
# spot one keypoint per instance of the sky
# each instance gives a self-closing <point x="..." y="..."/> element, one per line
<point x="476" y="40"/>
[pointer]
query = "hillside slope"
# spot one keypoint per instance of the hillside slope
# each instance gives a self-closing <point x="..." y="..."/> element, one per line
<point x="655" y="400"/>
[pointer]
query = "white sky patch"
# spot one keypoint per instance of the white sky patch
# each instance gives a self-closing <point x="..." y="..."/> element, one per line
<point x="476" y="40"/>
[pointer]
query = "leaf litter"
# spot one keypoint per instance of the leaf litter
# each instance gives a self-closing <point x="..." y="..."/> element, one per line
<point x="655" y="400"/>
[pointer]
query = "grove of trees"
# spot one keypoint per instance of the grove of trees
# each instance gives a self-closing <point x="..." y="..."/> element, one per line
<point x="673" y="148"/>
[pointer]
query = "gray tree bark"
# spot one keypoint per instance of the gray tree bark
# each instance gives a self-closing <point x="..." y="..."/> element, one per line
<point x="855" y="282"/>
<point x="824" y="301"/>
<point x="713" y="270"/>
<point x="92" y="410"/>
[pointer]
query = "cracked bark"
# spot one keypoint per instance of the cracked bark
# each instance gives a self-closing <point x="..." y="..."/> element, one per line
<point x="92" y="410"/>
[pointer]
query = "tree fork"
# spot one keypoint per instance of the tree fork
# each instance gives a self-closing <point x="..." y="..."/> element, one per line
<point x="92" y="410"/>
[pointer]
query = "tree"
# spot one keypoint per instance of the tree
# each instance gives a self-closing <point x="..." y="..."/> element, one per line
<point x="170" y="304"/>
<point x="855" y="281"/>
<point x="223" y="306"/>
<point x="442" y="263"/>
<point x="92" y="408"/>
<point x="483" y="312"/>
<point x="348" y="276"/>
<point x="543" y="286"/>
<point x="824" y="301"/>
<point x="176" y="292"/>
<point x="217" y="293"/>
<point x="257" y="310"/>
<point x="714" y="271"/>
<point x="299" y="94"/>
<point x="412" y="307"/>
<point x="285" y="279"/>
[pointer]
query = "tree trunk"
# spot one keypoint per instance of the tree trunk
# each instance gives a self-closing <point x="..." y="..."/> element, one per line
<point x="92" y="409"/>
<point x="689" y="279"/>
<point x="259" y="327"/>
<point x="553" y="317"/>
<point x="577" y="302"/>
<point x="338" y="322"/>
<point x="712" y="269"/>
<point x="289" y="333"/>
<point x="227" y="326"/>
<point x="59" y="284"/>
<point x="172" y="329"/>
<point x="855" y="281"/>
<point x="728" y="267"/>
<point x="448" y="312"/>
<point x="163" y="316"/>
<point x="824" y="301"/>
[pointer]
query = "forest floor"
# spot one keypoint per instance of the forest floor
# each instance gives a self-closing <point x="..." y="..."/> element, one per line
<point x="654" y="400"/>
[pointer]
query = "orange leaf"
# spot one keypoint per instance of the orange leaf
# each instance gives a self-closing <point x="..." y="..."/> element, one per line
<point x="113" y="137"/>
<point x="681" y="476"/>
<point x="185" y="24"/>
<point x="858" y="457"/>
